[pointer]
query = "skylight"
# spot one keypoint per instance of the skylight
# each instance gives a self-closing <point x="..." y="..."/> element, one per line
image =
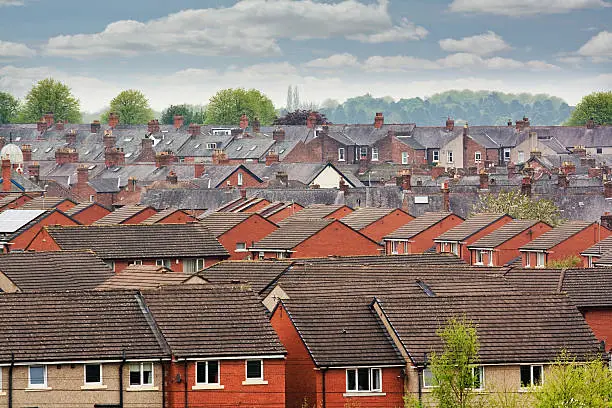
<point x="128" y="154"/>
<point x="48" y="149"/>
<point x="253" y="148"/>
<point x="128" y="139"/>
<point x="239" y="148"/>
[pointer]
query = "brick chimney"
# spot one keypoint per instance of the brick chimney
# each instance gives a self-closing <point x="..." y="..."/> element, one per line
<point x="109" y="139"/>
<point x="65" y="155"/>
<point x="579" y="151"/>
<point x="526" y="186"/>
<point x="406" y="177"/>
<point x="450" y="124"/>
<point x="132" y="184"/>
<point x="194" y="129"/>
<point x="179" y="121"/>
<point x="282" y="178"/>
<point x="256" y="125"/>
<point x="278" y="134"/>
<point x="608" y="189"/>
<point x="342" y="186"/>
<point x="379" y="120"/>
<point x="562" y="181"/>
<point x="484" y="180"/>
<point x="466" y="130"/>
<point x="363" y="165"/>
<point x="595" y="172"/>
<point x="41" y="125"/>
<point x="244" y="121"/>
<point x="82" y="176"/>
<point x="311" y="121"/>
<point x="271" y="157"/>
<point x="509" y="122"/>
<point x="445" y="196"/>
<point x="172" y="178"/>
<point x="198" y="169"/>
<point x="26" y="150"/>
<point x="587" y="161"/>
<point x="153" y="126"/>
<point x="147" y="153"/>
<point x="437" y="171"/>
<point x="164" y="159"/>
<point x="71" y="137"/>
<point x="568" y="168"/>
<point x="590" y="124"/>
<point x="49" y="119"/>
<point x="220" y="157"/>
<point x="114" y="157"/>
<point x="243" y="193"/>
<point x="59" y="126"/>
<point x="95" y="126"/>
<point x="526" y="122"/>
<point x="520" y="125"/>
<point x="34" y="171"/>
<point x="113" y="120"/>
<point x="511" y="169"/>
<point x="606" y="220"/>
<point x="6" y="175"/>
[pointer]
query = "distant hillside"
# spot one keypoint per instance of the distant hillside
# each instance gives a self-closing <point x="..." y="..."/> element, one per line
<point x="476" y="108"/>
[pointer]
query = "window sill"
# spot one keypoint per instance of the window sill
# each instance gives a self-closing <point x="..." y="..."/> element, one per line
<point x="341" y="160"/>
<point x="255" y="382"/>
<point x="38" y="389"/>
<point x="241" y="250"/>
<point x="94" y="387"/>
<point x="364" y="394"/>
<point x="208" y="387"/>
<point x="138" y="389"/>
<point x="2" y="394"/>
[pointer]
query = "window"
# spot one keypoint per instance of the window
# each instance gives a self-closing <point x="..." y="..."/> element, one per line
<point x="375" y="154"/>
<point x="477" y="157"/>
<point x="506" y="154"/>
<point x="363" y="152"/>
<point x="590" y="261"/>
<point x="531" y="375"/>
<point x="455" y="248"/>
<point x="527" y="259"/>
<point x="436" y="156"/>
<point x="540" y="259"/>
<point x="479" y="257"/>
<point x="254" y="370"/>
<point x="478" y="377"/>
<point x="449" y="156"/>
<point x="93" y="374"/>
<point x="428" y="378"/>
<point x="521" y="156"/>
<point x="280" y="255"/>
<point x="193" y="265"/>
<point x="141" y="374"/>
<point x="599" y="150"/>
<point x="341" y="154"/>
<point x="404" y="157"/>
<point x="111" y="264"/>
<point x="363" y="380"/>
<point x="207" y="372"/>
<point x="262" y="255"/>
<point x="240" y="180"/>
<point x="211" y="146"/>
<point x="37" y="376"/>
<point x="136" y="262"/>
<point x="240" y="246"/>
<point x="490" y="258"/>
<point x="394" y="247"/>
<point x="163" y="262"/>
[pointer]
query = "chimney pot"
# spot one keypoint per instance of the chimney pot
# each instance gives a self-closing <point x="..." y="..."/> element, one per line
<point x="95" y="126"/>
<point x="484" y="180"/>
<point x="379" y="120"/>
<point x="526" y="186"/>
<point x="244" y="121"/>
<point x="450" y="124"/>
<point x="311" y="121"/>
<point x="194" y="129"/>
<point x="6" y="175"/>
<point x="179" y="121"/>
<point x="278" y="134"/>
<point x="113" y="120"/>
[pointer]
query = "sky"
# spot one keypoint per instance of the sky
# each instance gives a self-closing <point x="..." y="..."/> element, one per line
<point x="184" y="51"/>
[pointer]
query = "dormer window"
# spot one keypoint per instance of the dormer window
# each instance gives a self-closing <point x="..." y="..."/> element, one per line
<point x="210" y="146"/>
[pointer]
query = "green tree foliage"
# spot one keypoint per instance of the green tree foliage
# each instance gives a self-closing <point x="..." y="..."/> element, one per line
<point x="190" y="113"/>
<point x="452" y="370"/>
<point x="597" y="106"/>
<point x="227" y="106"/>
<point x="476" y="108"/>
<point x="8" y="107"/>
<point x="132" y="106"/>
<point x="575" y="385"/>
<point x="519" y="206"/>
<point x="299" y="117"/>
<point x="571" y="261"/>
<point x="49" y="95"/>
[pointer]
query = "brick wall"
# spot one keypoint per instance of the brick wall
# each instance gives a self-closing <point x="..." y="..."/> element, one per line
<point x="600" y="321"/>
<point x="251" y="230"/>
<point x="336" y="239"/>
<point x="284" y="213"/>
<point x="387" y="224"/>
<point x="91" y="214"/>
<point x="247" y="180"/>
<point x="177" y="217"/>
<point x="141" y="216"/>
<point x="470" y="147"/>
<point x="425" y="240"/>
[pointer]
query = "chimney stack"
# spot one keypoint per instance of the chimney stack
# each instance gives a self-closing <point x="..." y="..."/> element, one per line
<point x="526" y="186"/>
<point x="172" y="178"/>
<point x="243" y="194"/>
<point x="34" y="172"/>
<point x="95" y="126"/>
<point x="606" y="220"/>
<point x="147" y="154"/>
<point x="59" y="126"/>
<point x="379" y="120"/>
<point x="608" y="189"/>
<point x="342" y="186"/>
<point x="511" y="169"/>
<point x="26" y="150"/>
<point x="109" y="139"/>
<point x="520" y="125"/>
<point x="282" y="178"/>
<point x="406" y="178"/>
<point x="311" y="121"/>
<point x="278" y="134"/>
<point x="466" y="130"/>
<point x="164" y="159"/>
<point x="41" y="125"/>
<point x="568" y="168"/>
<point x="445" y="197"/>
<point x="49" y="119"/>
<point x="256" y="125"/>
<point x="71" y="137"/>
<point x="199" y="169"/>
<point x="82" y="175"/>
<point x="562" y="181"/>
<point x="114" y="157"/>
<point x="194" y="129"/>
<point x="590" y="124"/>
<point x="450" y="124"/>
<point x="484" y="180"/>
<point x="6" y="175"/>
<point x="526" y="122"/>
<point x="595" y="172"/>
<point x="220" y="157"/>
<point x="153" y="126"/>
<point x="363" y="165"/>
<point x="113" y="120"/>
<point x="272" y="157"/>
<point x="579" y="151"/>
<point x="244" y="121"/>
<point x="65" y="155"/>
<point x="179" y="121"/>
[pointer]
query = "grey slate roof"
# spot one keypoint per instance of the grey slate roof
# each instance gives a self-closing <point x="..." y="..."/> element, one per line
<point x="220" y="222"/>
<point x="469" y="227"/>
<point x="503" y="234"/>
<point x="364" y="216"/>
<point x="603" y="247"/>
<point x="292" y="233"/>
<point x="418" y="225"/>
<point x="556" y="235"/>
<point x="121" y="215"/>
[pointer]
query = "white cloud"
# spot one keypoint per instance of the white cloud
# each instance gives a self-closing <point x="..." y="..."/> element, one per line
<point x="483" y="44"/>
<point x="11" y="49"/>
<point x="600" y="46"/>
<point x="250" y="27"/>
<point x="398" y="63"/>
<point x="11" y="3"/>
<point x="516" y="8"/>
<point x="333" y="61"/>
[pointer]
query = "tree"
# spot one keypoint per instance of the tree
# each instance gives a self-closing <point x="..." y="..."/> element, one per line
<point x="596" y="106"/>
<point x="190" y="113"/>
<point x="49" y="95"/>
<point x="290" y="106"/>
<point x="572" y="261"/>
<point x="299" y="118"/>
<point x="227" y="106"/>
<point x="132" y="106"/>
<point x="452" y="370"/>
<point x="8" y="107"/>
<point x="519" y="206"/>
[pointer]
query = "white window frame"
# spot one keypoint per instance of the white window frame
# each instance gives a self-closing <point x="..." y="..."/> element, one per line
<point x="531" y="384"/>
<point x="371" y="388"/>
<point x="141" y="384"/>
<point x="85" y="375"/>
<point x="211" y="146"/>
<point x="540" y="260"/>
<point x="167" y="263"/>
<point x="241" y="247"/>
<point x="479" y="257"/>
<point x="363" y="152"/>
<point x="207" y="382"/>
<point x="246" y="371"/>
<point x="449" y="156"/>
<point x="435" y="156"/>
<point x="527" y="259"/>
<point x="136" y="262"/>
<point x="481" y="370"/>
<point x="431" y="376"/>
<point x="405" y="157"/>
<point x="374" y="153"/>
<point x="197" y="263"/>
<point x="111" y="264"/>
<point x="240" y="179"/>
<point x="521" y="156"/>
<point x="507" y="153"/>
<point x="341" y="156"/>
<point x="44" y="384"/>
<point x="454" y="248"/>
<point x="262" y="255"/>
<point x="490" y="258"/>
<point x="478" y="157"/>
<point x="394" y="245"/>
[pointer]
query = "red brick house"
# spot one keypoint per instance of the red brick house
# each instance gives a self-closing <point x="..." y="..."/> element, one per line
<point x="569" y="239"/>
<point x="237" y="232"/>
<point x="326" y="211"/>
<point x="19" y="227"/>
<point x="457" y="239"/>
<point x="179" y="247"/>
<point x="87" y="213"/>
<point x="278" y="210"/>
<point x="13" y="200"/>
<point x="129" y="214"/>
<point x="418" y="235"/>
<point x="229" y="176"/>
<point x="309" y="238"/>
<point x="375" y="223"/>
<point x="170" y="216"/>
<point x="502" y="245"/>
<point x="599" y="254"/>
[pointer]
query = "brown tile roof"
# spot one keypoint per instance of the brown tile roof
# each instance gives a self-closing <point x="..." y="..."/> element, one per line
<point x="603" y="247"/>
<point x="140" y="241"/>
<point x="44" y="203"/>
<point x="313" y="211"/>
<point x="143" y="277"/>
<point x="292" y="233"/>
<point x="275" y="207"/>
<point x="557" y="235"/>
<point x="469" y="227"/>
<point x="60" y="326"/>
<point x="121" y="215"/>
<point x="220" y="222"/>
<point x="341" y="332"/>
<point x="503" y="234"/>
<point x="511" y="328"/>
<point x="9" y="198"/>
<point x="55" y="270"/>
<point x="212" y="321"/>
<point x="160" y="216"/>
<point x="362" y="217"/>
<point x="257" y="274"/>
<point x="80" y="207"/>
<point x="418" y="225"/>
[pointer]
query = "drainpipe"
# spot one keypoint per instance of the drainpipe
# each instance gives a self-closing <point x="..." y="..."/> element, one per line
<point x="420" y="375"/>
<point x="121" y="366"/>
<point x="185" y="382"/>
<point x="323" y="370"/>
<point x="163" y="383"/>
<point x="10" y="382"/>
